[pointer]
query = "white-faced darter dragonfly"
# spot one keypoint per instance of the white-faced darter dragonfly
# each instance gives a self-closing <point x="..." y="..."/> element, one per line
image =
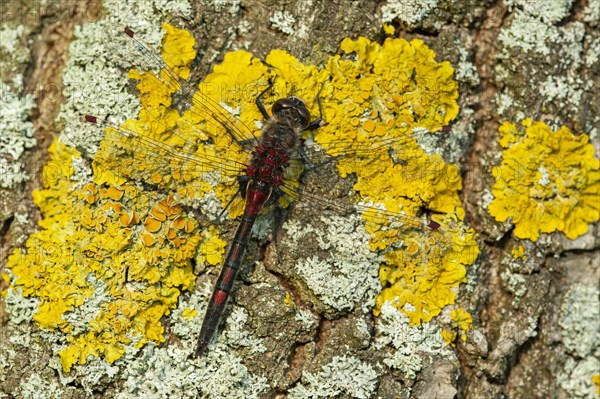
<point x="262" y="180"/>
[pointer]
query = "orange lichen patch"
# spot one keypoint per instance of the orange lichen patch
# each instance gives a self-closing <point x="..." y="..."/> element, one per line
<point x="129" y="219"/>
<point x="158" y="213"/>
<point x="91" y="193"/>
<point x="548" y="181"/>
<point x="110" y="207"/>
<point x="148" y="239"/>
<point x="152" y="225"/>
<point x="156" y="178"/>
<point x="113" y="192"/>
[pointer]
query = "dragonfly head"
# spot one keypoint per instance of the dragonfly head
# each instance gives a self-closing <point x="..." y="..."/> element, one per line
<point x="294" y="107"/>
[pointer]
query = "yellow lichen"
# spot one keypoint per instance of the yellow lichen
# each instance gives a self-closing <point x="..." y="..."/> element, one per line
<point x="548" y="181"/>
<point x="386" y="95"/>
<point x="84" y="250"/>
<point x="449" y="337"/>
<point x="422" y="283"/>
<point x="383" y="97"/>
<point x="138" y="245"/>
<point x="461" y="323"/>
<point x="389" y="29"/>
<point x="596" y="381"/>
<point x="519" y="252"/>
<point x="288" y="300"/>
<point x="125" y="250"/>
<point x="189" y="313"/>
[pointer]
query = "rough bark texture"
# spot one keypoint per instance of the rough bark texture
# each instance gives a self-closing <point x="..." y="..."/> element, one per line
<point x="517" y="345"/>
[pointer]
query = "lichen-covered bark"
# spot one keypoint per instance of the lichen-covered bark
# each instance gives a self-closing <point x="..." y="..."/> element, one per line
<point x="535" y="305"/>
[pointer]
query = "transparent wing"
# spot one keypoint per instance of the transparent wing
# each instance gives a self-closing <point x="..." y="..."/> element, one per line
<point x="315" y="154"/>
<point x="195" y="101"/>
<point x="130" y="154"/>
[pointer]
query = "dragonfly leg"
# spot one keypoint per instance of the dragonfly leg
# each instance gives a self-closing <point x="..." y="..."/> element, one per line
<point x="317" y="123"/>
<point x="259" y="103"/>
<point x="241" y="189"/>
<point x="275" y="195"/>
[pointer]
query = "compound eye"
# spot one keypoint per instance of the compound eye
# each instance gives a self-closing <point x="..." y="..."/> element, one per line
<point x="295" y="104"/>
<point x="304" y="115"/>
<point x="281" y="104"/>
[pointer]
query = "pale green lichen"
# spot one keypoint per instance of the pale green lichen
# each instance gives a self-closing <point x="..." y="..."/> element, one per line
<point x="93" y="79"/>
<point x="530" y="33"/>
<point x="19" y="307"/>
<point x="592" y="56"/>
<point x="410" y="12"/>
<point x="232" y="6"/>
<point x="11" y="42"/>
<point x="185" y="377"/>
<point x="283" y="22"/>
<point x="562" y="46"/>
<point x="16" y="134"/>
<point x="552" y="12"/>
<point x="515" y="284"/>
<point x="591" y="13"/>
<point x="165" y="373"/>
<point x="580" y="320"/>
<point x="346" y="278"/>
<point x="577" y="378"/>
<point x="345" y="376"/>
<point x="237" y="334"/>
<point x="412" y="346"/>
<point x="34" y="387"/>
<point x="466" y="71"/>
<point x="307" y="319"/>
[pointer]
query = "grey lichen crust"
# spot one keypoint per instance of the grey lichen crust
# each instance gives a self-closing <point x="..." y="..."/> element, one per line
<point x="540" y="54"/>
<point x="16" y="135"/>
<point x="580" y="331"/>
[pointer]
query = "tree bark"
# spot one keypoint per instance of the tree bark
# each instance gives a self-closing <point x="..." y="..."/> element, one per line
<point x="527" y="318"/>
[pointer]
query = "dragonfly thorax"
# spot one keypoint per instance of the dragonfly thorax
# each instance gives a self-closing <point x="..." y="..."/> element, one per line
<point x="277" y="145"/>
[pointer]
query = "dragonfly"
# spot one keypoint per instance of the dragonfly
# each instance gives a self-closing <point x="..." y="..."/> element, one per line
<point x="263" y="179"/>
